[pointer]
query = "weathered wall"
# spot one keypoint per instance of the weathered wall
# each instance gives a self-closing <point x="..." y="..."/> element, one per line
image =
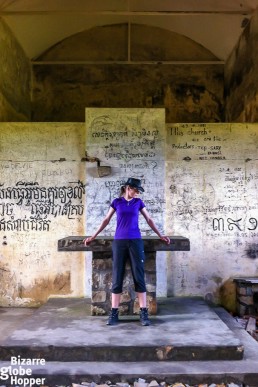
<point x="103" y="75"/>
<point x="210" y="197"/>
<point x="42" y="198"/>
<point x="189" y="93"/>
<point x="211" y="191"/>
<point x="15" y="78"/>
<point x="241" y="77"/>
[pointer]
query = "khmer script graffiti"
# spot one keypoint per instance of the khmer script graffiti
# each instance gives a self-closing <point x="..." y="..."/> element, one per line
<point x="29" y="206"/>
<point x="220" y="224"/>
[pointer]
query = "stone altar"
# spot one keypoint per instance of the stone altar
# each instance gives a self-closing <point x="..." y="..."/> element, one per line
<point x="101" y="249"/>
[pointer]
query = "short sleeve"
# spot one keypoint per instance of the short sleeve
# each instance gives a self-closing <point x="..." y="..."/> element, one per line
<point x="114" y="204"/>
<point x="142" y="205"/>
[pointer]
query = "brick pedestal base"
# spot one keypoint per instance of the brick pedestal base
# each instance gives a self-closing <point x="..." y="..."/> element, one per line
<point x="102" y="281"/>
<point x="247" y="296"/>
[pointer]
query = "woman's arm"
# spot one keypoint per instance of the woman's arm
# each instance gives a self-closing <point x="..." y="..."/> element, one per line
<point x="152" y="225"/>
<point x="103" y="224"/>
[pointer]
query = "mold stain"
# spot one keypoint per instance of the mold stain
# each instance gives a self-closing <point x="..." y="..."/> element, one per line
<point x="45" y="287"/>
<point x="252" y="251"/>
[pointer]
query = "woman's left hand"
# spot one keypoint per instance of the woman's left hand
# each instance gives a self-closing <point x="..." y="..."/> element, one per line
<point x="165" y="239"/>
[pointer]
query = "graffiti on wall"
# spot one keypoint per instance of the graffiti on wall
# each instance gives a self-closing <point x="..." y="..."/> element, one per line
<point x="132" y="142"/>
<point x="213" y="184"/>
<point x="30" y="206"/>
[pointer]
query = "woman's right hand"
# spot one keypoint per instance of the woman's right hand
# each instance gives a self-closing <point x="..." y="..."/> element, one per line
<point x="88" y="240"/>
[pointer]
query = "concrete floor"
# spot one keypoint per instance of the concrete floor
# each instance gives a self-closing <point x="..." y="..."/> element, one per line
<point x="188" y="341"/>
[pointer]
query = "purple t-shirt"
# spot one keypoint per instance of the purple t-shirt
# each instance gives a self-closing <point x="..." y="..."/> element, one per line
<point x="127" y="213"/>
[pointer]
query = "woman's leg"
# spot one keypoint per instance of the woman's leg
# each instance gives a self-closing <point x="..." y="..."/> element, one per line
<point x="115" y="300"/>
<point x="119" y="257"/>
<point x="142" y="299"/>
<point x="137" y="259"/>
<point x="118" y="268"/>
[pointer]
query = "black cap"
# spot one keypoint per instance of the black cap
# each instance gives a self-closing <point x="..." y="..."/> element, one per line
<point x="135" y="183"/>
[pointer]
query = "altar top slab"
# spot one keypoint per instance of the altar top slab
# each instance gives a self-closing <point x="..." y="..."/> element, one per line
<point x="104" y="243"/>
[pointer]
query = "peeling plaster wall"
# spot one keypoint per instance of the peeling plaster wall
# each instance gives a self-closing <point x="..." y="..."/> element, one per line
<point x="42" y="195"/>
<point x="241" y="77"/>
<point x="15" y="78"/>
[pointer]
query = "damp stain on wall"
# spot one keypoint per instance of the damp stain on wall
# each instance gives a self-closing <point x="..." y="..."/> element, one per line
<point x="56" y="285"/>
<point x="252" y="251"/>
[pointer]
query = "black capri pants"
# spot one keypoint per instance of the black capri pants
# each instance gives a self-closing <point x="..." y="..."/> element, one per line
<point x="133" y="250"/>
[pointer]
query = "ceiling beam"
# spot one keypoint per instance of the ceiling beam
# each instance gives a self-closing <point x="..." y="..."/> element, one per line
<point x="125" y="13"/>
<point x="131" y="62"/>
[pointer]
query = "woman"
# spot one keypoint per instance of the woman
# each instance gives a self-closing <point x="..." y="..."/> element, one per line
<point x="128" y="242"/>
